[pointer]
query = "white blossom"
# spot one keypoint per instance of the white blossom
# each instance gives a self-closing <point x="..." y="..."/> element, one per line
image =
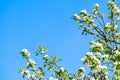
<point x="98" y="61"/>
<point x="46" y="57"/>
<point x="31" y="63"/>
<point x="117" y="52"/>
<point x="96" y="6"/>
<point x="118" y="11"/>
<point x="27" y="72"/>
<point x="83" y="59"/>
<point x="100" y="68"/>
<point x="82" y="68"/>
<point x="105" y="56"/>
<point x="108" y="25"/>
<point x="116" y="27"/>
<point x="76" y="17"/>
<point x="62" y="69"/>
<point x="115" y="63"/>
<point x="28" y="76"/>
<point x="33" y="76"/>
<point x="22" y="71"/>
<point x="111" y="2"/>
<point x="117" y="35"/>
<point x="25" y="52"/>
<point x="83" y="12"/>
<point x="98" y="54"/>
<point x="89" y="53"/>
<point x="98" y="44"/>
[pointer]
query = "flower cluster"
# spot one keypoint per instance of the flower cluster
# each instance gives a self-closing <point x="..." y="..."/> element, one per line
<point x="100" y="68"/>
<point x="91" y="60"/>
<point x="105" y="57"/>
<point x="110" y="27"/>
<point x="116" y="70"/>
<point x="27" y="73"/>
<point x="31" y="63"/>
<point x="80" y="74"/>
<point x="101" y="72"/>
<point x="86" y="18"/>
<point x="96" y="9"/>
<point x="33" y="71"/>
<point x="96" y="46"/>
<point x="114" y="8"/>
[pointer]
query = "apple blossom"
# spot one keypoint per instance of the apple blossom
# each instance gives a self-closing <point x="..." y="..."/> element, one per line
<point x="83" y="12"/>
<point x="102" y="59"/>
<point x="96" y="6"/>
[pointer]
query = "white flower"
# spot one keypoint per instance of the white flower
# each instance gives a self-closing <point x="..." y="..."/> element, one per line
<point x="116" y="27"/>
<point x="28" y="76"/>
<point x="89" y="53"/>
<point x="83" y="59"/>
<point x="25" y="52"/>
<point x="82" y="69"/>
<point x="76" y="17"/>
<point x="31" y="63"/>
<point x="104" y="67"/>
<point x="83" y="12"/>
<point x="27" y="72"/>
<point x="105" y="57"/>
<point x="118" y="11"/>
<point x="111" y="2"/>
<point x="96" y="6"/>
<point x="62" y="69"/>
<point x="33" y="76"/>
<point x="46" y="57"/>
<point x="117" y="52"/>
<point x="100" y="67"/>
<point x="117" y="34"/>
<point x="98" y="44"/>
<point x="42" y="51"/>
<point x="95" y="11"/>
<point x="38" y="72"/>
<point x="108" y="25"/>
<point x="116" y="63"/>
<point x="98" y="54"/>
<point x="98" y="61"/>
<point x="22" y="71"/>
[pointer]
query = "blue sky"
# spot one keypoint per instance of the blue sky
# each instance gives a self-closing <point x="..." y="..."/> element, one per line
<point x="30" y="23"/>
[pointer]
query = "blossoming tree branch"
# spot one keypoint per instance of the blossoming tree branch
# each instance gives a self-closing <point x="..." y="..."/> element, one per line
<point x="103" y="59"/>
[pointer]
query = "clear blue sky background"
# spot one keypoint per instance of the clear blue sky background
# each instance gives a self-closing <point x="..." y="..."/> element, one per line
<point x="30" y="23"/>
